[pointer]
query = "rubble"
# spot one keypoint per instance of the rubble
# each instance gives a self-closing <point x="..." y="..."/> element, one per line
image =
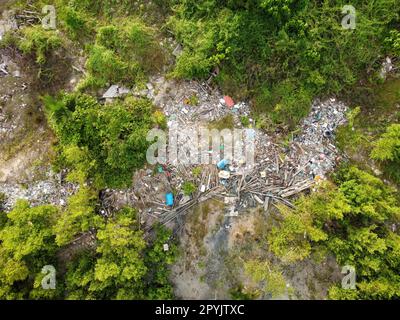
<point x="8" y="67"/>
<point x="172" y="97"/>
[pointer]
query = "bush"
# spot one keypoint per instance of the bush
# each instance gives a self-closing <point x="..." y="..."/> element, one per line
<point x="123" y="54"/>
<point x="188" y="188"/>
<point x="39" y="42"/>
<point x="77" y="24"/>
<point x="353" y="220"/>
<point x="283" y="52"/>
<point x="285" y="104"/>
<point x="387" y="151"/>
<point x="111" y="139"/>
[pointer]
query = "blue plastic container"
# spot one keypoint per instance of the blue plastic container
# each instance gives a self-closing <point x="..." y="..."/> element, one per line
<point x="169" y="199"/>
<point x="222" y="164"/>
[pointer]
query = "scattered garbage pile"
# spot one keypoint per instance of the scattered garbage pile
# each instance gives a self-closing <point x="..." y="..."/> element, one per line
<point x="51" y="191"/>
<point x="278" y="173"/>
<point x="160" y="193"/>
<point x="314" y="148"/>
<point x="192" y="102"/>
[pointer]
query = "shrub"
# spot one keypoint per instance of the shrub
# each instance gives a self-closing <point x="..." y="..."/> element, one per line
<point x="111" y="139"/>
<point x="39" y="42"/>
<point x="352" y="219"/>
<point x="123" y="54"/>
<point x="188" y="188"/>
<point x="387" y="151"/>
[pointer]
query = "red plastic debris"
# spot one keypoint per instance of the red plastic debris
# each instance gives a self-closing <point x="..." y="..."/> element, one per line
<point x="229" y="101"/>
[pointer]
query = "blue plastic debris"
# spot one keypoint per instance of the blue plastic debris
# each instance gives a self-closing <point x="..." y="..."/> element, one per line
<point x="169" y="199"/>
<point x="222" y="164"/>
<point x="251" y="133"/>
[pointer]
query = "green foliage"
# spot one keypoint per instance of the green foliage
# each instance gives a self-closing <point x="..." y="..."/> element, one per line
<point x="259" y="45"/>
<point x="106" y="67"/>
<point x="26" y="245"/>
<point x="245" y="121"/>
<point x="393" y="42"/>
<point x="387" y="148"/>
<point x="107" y="8"/>
<point x="193" y="100"/>
<point x="39" y="42"/>
<point x="292" y="240"/>
<point x="105" y="142"/>
<point x="158" y="260"/>
<point x="197" y="172"/>
<point x="123" y="54"/>
<point x="188" y="188"/>
<point x="387" y="151"/>
<point x="347" y="135"/>
<point x="120" y="264"/>
<point x="352" y="220"/>
<point x="3" y="199"/>
<point x="122" y="267"/>
<point x="288" y="103"/>
<point x="78" y="217"/>
<point x="240" y="293"/>
<point x="274" y="282"/>
<point x="76" y="22"/>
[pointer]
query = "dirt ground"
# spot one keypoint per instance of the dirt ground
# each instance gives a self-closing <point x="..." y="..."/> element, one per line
<point x="214" y="247"/>
<point x="25" y="139"/>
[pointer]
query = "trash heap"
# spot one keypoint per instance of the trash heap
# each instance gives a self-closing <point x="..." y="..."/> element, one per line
<point x="51" y="191"/>
<point x="279" y="172"/>
<point x="191" y="102"/>
<point x="314" y="148"/>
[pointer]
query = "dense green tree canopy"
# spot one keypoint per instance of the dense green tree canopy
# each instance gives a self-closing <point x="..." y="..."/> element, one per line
<point x="111" y="138"/>
<point x="354" y="221"/>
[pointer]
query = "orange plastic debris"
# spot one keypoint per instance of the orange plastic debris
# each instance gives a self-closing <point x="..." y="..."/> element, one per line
<point x="229" y="101"/>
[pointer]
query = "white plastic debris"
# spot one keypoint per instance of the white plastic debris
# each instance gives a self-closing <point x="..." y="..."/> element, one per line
<point x="224" y="174"/>
<point x="115" y="91"/>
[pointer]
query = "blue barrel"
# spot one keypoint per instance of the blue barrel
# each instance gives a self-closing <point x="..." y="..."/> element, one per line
<point x="222" y="164"/>
<point x="169" y="199"/>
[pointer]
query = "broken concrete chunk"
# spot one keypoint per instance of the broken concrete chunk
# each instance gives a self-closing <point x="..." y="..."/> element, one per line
<point x="115" y="91"/>
<point x="177" y="51"/>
